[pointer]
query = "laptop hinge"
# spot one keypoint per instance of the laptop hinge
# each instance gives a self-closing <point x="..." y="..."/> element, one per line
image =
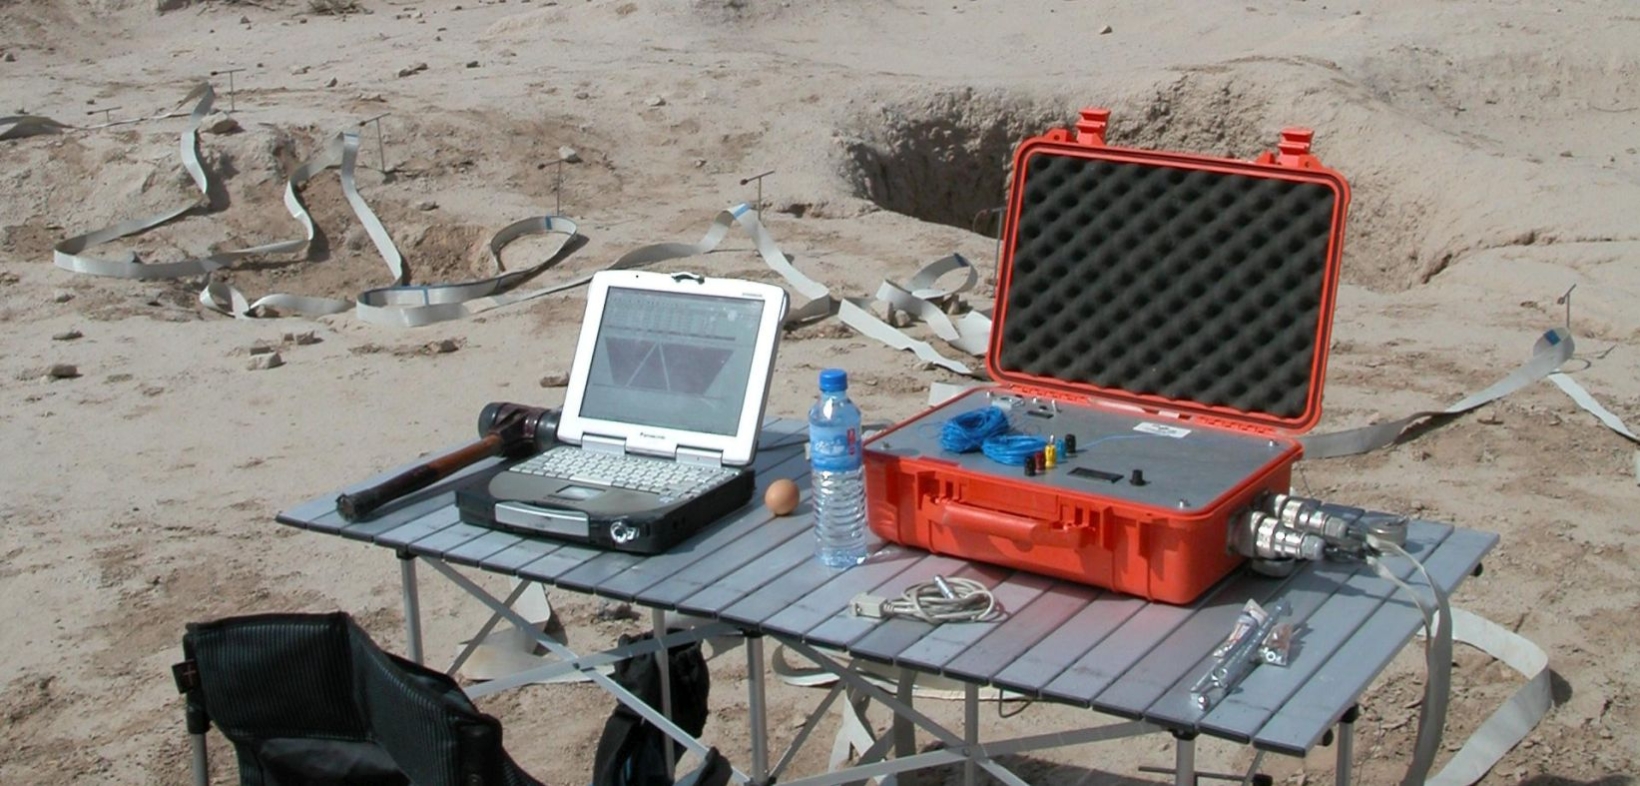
<point x="695" y="457"/>
<point x="596" y="444"/>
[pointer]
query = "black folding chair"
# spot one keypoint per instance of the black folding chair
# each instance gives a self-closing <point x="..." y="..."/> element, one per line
<point x="310" y="699"/>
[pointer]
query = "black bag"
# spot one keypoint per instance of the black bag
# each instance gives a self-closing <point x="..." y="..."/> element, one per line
<point x="631" y="751"/>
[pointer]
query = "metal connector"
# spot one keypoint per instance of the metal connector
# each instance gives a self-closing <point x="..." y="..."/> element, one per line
<point x="622" y="532"/>
<point x="1305" y="515"/>
<point x="1263" y="536"/>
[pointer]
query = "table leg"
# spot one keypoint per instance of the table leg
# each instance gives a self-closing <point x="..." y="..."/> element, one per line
<point x="905" y="735"/>
<point x="1346" y="743"/>
<point x="755" y="710"/>
<point x="412" y="606"/>
<point x="202" y="762"/>
<point x="1184" y="759"/>
<point x="663" y="656"/>
<point x="970" y="728"/>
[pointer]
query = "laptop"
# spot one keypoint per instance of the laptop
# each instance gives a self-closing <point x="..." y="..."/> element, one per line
<point x="660" y="421"/>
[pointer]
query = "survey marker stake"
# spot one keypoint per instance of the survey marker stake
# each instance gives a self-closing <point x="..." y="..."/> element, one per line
<point x="381" y="147"/>
<point x="230" y="72"/>
<point x="558" y="189"/>
<point x="108" y="117"/>
<point x="1567" y="299"/>
<point x="758" y="179"/>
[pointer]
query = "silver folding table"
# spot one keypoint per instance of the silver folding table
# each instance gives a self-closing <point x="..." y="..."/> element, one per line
<point x="754" y="575"/>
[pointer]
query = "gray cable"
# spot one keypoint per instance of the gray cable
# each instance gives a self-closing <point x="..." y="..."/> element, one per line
<point x="945" y="600"/>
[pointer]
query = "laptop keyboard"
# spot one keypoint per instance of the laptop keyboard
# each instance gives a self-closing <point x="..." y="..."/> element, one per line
<point x="636" y="473"/>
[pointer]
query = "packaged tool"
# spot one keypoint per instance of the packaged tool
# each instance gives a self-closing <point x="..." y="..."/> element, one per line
<point x="1161" y="330"/>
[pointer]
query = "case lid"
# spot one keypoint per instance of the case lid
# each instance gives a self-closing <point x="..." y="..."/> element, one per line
<point x="1179" y="283"/>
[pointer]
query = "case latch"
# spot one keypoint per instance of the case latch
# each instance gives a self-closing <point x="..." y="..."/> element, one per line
<point x="1090" y="130"/>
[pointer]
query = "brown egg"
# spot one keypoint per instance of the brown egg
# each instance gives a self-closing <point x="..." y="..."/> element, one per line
<point x="782" y="497"/>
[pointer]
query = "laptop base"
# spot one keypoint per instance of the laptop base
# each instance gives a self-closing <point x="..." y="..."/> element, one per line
<point x="617" y="520"/>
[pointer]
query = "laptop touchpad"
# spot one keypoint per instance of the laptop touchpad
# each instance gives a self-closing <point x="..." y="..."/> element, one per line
<point x="576" y="493"/>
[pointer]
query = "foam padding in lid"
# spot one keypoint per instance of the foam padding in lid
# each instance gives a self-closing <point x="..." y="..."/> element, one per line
<point x="1173" y="284"/>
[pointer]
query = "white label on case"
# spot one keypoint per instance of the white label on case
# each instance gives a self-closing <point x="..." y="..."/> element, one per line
<point x="1162" y="431"/>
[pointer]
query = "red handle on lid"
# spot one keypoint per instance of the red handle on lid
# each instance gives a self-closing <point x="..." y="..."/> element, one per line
<point x="1090" y="130"/>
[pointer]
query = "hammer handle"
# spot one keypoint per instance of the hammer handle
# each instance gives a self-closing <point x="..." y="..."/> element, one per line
<point x="361" y="504"/>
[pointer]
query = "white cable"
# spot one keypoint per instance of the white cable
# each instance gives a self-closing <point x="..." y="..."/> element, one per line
<point x="945" y="600"/>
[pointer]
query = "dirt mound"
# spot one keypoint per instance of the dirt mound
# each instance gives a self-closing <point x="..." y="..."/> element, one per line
<point x="942" y="156"/>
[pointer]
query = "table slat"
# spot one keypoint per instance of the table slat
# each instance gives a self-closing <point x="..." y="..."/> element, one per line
<point x="1066" y="645"/>
<point x="516" y="556"/>
<point x="445" y="540"/>
<point x="554" y="565"/>
<point x="811" y="608"/>
<point x="418" y="528"/>
<point x="486" y="545"/>
<point x="794" y="554"/>
<point x="761" y="538"/>
<point x="1021" y="631"/>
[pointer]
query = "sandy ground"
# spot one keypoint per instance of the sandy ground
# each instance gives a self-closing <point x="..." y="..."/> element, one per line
<point x="1491" y="147"/>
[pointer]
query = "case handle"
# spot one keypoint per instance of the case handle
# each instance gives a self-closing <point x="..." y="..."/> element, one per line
<point x="1090" y="127"/>
<point x="1015" y="528"/>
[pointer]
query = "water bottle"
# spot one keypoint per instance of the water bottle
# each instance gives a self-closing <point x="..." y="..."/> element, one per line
<point x="839" y="482"/>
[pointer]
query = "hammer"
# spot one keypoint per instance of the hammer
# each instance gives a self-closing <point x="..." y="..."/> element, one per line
<point x="504" y="429"/>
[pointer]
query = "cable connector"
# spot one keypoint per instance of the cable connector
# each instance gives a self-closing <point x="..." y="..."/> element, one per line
<point x="868" y="605"/>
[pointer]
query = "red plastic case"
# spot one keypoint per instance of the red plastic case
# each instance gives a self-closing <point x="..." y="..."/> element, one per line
<point x="1176" y="309"/>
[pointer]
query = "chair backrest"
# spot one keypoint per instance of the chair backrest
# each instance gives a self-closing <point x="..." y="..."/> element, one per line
<point x="311" y="699"/>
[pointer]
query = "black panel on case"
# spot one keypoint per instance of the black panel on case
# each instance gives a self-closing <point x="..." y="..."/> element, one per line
<point x="1191" y="285"/>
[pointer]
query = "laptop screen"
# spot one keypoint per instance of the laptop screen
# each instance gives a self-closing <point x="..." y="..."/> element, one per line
<point x="672" y="360"/>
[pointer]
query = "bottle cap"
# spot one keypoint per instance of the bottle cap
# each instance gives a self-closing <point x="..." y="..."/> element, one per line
<point x="833" y="380"/>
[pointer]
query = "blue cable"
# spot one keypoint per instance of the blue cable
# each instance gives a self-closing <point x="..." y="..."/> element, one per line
<point x="1013" y="449"/>
<point x="969" y="431"/>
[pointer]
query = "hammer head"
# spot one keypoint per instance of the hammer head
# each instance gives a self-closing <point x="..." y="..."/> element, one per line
<point x="523" y="429"/>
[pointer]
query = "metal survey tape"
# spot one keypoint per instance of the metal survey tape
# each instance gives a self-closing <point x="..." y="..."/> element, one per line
<point x="1550" y="352"/>
<point x="929" y="686"/>
<point x="401" y="304"/>
<point x="405" y="305"/>
<point x="1583" y="399"/>
<point x="1512" y="720"/>
<point x="969" y="334"/>
<point x="19" y="126"/>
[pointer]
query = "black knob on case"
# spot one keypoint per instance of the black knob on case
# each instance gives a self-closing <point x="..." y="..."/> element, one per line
<point x="1138" y="478"/>
<point x="1070" y="444"/>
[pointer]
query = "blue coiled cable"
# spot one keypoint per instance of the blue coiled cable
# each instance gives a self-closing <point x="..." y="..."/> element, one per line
<point x="1013" y="449"/>
<point x="969" y="431"/>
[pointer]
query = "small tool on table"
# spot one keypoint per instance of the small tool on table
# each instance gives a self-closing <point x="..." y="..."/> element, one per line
<point x="1254" y="640"/>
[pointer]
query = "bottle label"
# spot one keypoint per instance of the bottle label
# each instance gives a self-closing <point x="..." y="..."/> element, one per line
<point x="834" y="448"/>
